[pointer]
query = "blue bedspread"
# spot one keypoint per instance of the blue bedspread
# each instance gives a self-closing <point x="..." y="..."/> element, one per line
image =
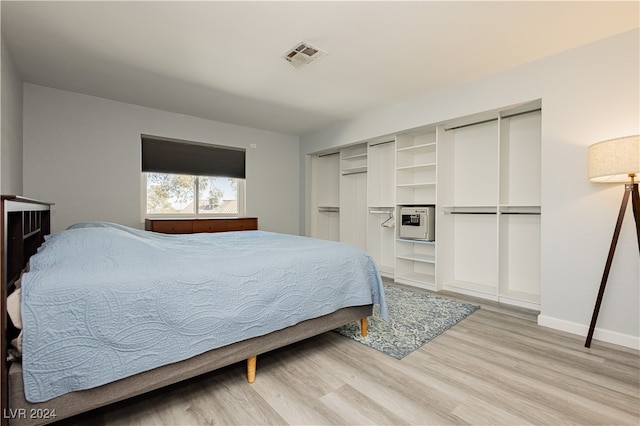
<point x="102" y="301"/>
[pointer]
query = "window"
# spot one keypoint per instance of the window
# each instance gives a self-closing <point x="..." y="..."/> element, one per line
<point x="191" y="179"/>
<point x="169" y="195"/>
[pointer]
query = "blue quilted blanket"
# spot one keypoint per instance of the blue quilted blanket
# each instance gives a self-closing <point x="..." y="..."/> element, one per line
<point x="102" y="301"/>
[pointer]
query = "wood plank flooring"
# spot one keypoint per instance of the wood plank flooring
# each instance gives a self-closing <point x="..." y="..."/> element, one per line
<point x="497" y="367"/>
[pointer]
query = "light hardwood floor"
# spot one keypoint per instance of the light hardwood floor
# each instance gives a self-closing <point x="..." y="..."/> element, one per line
<point x="495" y="367"/>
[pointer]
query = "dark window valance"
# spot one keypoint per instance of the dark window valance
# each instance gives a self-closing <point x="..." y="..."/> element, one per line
<point x="163" y="155"/>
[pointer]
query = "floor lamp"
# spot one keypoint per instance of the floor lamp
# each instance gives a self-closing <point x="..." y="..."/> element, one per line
<point x="611" y="161"/>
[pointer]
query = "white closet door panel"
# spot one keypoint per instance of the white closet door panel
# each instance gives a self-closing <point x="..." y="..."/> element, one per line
<point x="476" y="164"/>
<point x="328" y="180"/>
<point x="381" y="175"/>
<point x="475" y="256"/>
<point x="387" y="251"/>
<point x="328" y="226"/>
<point x="521" y="160"/>
<point x="380" y="242"/>
<point x="353" y="209"/>
<point x="520" y="254"/>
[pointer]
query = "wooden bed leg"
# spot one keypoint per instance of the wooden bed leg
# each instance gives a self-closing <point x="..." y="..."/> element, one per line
<point x="251" y="369"/>
<point x="363" y="326"/>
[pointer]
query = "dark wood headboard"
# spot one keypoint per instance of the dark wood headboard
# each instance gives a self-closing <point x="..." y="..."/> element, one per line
<point x="25" y="222"/>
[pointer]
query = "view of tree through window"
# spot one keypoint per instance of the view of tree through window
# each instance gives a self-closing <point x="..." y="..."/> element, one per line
<point x="174" y="194"/>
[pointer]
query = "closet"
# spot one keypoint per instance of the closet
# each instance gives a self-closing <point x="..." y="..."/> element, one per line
<point x="353" y="195"/>
<point x="353" y="199"/>
<point x="325" y="193"/>
<point x="489" y="206"/>
<point x="482" y="175"/>
<point x="381" y="205"/>
<point x="416" y="174"/>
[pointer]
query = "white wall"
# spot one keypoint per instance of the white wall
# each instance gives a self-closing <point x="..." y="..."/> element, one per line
<point x="83" y="154"/>
<point x="11" y="135"/>
<point x="588" y="94"/>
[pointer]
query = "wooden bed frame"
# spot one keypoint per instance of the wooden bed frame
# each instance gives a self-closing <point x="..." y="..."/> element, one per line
<point x="25" y="222"/>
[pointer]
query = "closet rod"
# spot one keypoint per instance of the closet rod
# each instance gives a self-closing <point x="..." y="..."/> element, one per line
<point x="470" y="124"/>
<point x="326" y="155"/>
<point x="472" y="213"/>
<point x="381" y="143"/>
<point x="521" y="113"/>
<point x="353" y="173"/>
<point x="493" y="119"/>
<point x="532" y="213"/>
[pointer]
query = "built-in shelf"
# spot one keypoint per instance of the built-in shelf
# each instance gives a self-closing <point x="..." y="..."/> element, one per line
<point x="417" y="166"/>
<point x="415" y="149"/>
<point x="489" y="208"/>
<point x="354" y="170"/>
<point x="415" y="185"/>
<point x="353" y="195"/>
<point x="418" y="258"/>
<point x="355" y="156"/>
<point x="325" y="196"/>
<point x="416" y="177"/>
<point x="380" y="212"/>
<point x="482" y="174"/>
<point x="407" y="240"/>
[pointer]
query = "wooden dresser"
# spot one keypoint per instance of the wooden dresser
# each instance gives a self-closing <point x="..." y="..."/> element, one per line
<point x="192" y="226"/>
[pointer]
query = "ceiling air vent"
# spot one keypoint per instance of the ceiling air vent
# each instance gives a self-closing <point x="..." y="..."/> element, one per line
<point x="303" y="54"/>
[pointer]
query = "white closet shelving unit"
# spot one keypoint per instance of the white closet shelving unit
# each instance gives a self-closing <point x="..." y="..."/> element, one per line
<point x="416" y="167"/>
<point x="416" y="172"/>
<point x="482" y="173"/>
<point x="381" y="178"/>
<point x="488" y="221"/>
<point x="353" y="195"/>
<point x="520" y="208"/>
<point x="325" y="195"/>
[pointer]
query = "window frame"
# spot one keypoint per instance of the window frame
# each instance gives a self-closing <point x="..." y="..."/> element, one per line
<point x="195" y="215"/>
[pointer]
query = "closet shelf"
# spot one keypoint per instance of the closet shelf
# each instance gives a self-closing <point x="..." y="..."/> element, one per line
<point x="415" y="185"/>
<point x="354" y="170"/>
<point x="418" y="257"/>
<point x="417" y="166"/>
<point x="381" y="210"/>
<point x="416" y="149"/>
<point x="470" y="209"/>
<point x="355" y="156"/>
<point x="406" y="240"/>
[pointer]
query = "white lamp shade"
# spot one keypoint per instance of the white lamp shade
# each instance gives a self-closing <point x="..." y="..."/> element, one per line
<point x="614" y="159"/>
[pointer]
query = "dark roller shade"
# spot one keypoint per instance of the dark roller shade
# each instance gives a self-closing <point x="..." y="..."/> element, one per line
<point x="170" y="156"/>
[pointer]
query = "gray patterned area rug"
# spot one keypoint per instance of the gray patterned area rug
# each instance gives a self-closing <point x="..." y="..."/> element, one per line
<point x="414" y="319"/>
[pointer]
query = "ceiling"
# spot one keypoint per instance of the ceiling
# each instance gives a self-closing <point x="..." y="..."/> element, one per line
<point x="222" y="60"/>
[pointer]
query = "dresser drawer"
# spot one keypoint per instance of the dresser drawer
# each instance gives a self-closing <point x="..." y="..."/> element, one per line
<point x="170" y="226"/>
<point x="188" y="226"/>
<point x="244" y="224"/>
<point x="222" y="225"/>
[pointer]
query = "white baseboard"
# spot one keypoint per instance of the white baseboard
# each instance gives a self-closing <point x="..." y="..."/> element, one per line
<point x="608" y="336"/>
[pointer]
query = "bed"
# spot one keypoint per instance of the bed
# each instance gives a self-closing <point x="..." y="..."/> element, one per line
<point x="113" y="330"/>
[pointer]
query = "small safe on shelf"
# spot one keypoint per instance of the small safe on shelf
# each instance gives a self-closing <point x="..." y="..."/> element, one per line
<point x="418" y="223"/>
